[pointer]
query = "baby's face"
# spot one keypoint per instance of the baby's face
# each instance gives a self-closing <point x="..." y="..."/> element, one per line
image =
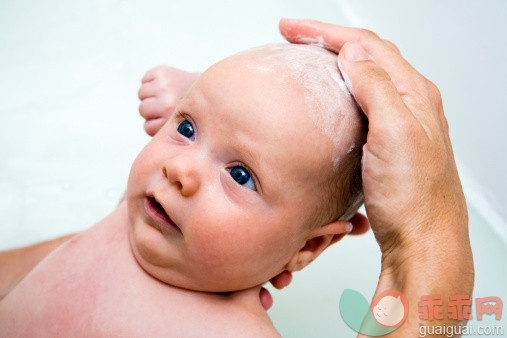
<point x="223" y="195"/>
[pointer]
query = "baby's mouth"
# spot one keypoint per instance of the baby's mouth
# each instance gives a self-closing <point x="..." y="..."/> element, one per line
<point x="156" y="211"/>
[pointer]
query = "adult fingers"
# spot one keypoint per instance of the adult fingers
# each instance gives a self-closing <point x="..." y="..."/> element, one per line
<point x="266" y="298"/>
<point x="392" y="46"/>
<point x="281" y="280"/>
<point x="375" y="92"/>
<point x="372" y="89"/>
<point x="334" y="37"/>
<point x="312" y="32"/>
<point x="360" y="224"/>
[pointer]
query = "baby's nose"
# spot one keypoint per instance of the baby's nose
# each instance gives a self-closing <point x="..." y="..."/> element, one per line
<point x="182" y="175"/>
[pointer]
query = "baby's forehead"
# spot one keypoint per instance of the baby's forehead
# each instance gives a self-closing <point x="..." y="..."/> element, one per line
<point x="298" y="82"/>
<point x="312" y="72"/>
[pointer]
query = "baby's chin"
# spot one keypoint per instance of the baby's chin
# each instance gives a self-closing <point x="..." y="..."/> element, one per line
<point x="143" y="245"/>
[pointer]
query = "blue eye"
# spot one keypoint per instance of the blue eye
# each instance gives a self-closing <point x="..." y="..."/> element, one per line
<point x="243" y="177"/>
<point x="186" y="129"/>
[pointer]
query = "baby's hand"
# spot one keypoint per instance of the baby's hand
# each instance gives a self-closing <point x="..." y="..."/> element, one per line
<point x="161" y="90"/>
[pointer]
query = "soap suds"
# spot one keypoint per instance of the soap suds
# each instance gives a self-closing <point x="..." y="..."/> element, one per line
<point x="316" y="41"/>
<point x="261" y="68"/>
<point x="316" y="70"/>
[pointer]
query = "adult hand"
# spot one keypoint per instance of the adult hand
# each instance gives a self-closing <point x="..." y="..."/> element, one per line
<point x="412" y="192"/>
<point x="161" y="90"/>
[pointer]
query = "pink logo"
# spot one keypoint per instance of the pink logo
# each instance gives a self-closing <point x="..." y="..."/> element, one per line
<point x="390" y="308"/>
<point x="482" y="308"/>
<point x="431" y="307"/>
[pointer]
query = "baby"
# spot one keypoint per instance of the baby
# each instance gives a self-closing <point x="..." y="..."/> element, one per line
<point x="254" y="173"/>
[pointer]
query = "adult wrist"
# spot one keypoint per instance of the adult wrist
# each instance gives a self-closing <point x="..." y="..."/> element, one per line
<point x="444" y="256"/>
<point x="432" y="265"/>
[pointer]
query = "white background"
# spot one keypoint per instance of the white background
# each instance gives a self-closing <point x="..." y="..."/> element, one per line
<point x="69" y="130"/>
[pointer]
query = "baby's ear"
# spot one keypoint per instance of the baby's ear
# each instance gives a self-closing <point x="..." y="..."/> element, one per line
<point x="318" y="241"/>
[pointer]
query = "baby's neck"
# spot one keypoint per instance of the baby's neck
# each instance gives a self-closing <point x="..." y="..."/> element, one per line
<point x="247" y="299"/>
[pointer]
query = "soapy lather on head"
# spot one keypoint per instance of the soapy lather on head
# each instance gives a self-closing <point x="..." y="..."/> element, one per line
<point x="325" y="92"/>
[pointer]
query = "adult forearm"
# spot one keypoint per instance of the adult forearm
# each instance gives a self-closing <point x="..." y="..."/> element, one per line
<point x="442" y="267"/>
<point x="17" y="263"/>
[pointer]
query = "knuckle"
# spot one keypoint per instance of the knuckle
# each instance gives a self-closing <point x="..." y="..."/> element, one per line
<point x="445" y="124"/>
<point x="375" y="74"/>
<point x="434" y="92"/>
<point x="419" y="95"/>
<point x="392" y="46"/>
<point x="384" y="78"/>
<point x="417" y="98"/>
<point x="379" y="82"/>
<point x="368" y="34"/>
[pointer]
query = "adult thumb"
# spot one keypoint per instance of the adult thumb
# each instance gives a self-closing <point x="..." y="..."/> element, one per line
<point x="371" y="86"/>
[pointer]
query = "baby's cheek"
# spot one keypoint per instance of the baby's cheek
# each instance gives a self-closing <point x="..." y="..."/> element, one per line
<point x="216" y="254"/>
<point x="214" y="245"/>
<point x="243" y="255"/>
<point x="136" y="170"/>
<point x="144" y="166"/>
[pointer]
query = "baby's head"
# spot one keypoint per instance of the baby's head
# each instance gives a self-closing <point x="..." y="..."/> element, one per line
<point x="252" y="174"/>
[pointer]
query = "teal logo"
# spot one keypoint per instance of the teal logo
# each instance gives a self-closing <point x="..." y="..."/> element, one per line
<point x="387" y="312"/>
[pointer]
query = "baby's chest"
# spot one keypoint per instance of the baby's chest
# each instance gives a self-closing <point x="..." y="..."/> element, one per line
<point x="92" y="286"/>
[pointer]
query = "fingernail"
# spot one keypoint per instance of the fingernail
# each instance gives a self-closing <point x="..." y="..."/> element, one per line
<point x="355" y="52"/>
<point x="348" y="227"/>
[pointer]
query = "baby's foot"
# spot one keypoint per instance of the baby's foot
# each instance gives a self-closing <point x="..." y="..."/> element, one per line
<point x="161" y="90"/>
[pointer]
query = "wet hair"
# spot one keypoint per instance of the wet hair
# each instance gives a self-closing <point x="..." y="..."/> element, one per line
<point x="345" y="193"/>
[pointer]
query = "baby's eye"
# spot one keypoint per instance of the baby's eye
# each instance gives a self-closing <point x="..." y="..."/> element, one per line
<point x="186" y="129"/>
<point x="243" y="177"/>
